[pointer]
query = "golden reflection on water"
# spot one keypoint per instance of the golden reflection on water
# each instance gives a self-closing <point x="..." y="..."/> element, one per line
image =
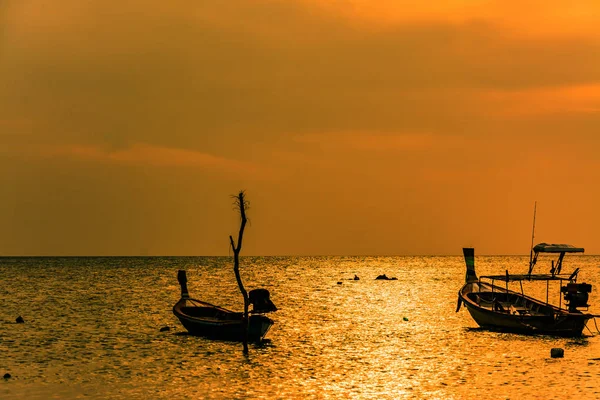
<point x="92" y="330"/>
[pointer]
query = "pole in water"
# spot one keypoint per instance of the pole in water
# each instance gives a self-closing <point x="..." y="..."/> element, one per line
<point x="532" y="237"/>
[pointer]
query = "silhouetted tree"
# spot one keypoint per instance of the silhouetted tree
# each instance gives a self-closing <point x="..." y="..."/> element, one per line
<point x="241" y="204"/>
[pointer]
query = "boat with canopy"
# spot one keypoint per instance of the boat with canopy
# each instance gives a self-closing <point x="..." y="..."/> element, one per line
<point x="497" y="307"/>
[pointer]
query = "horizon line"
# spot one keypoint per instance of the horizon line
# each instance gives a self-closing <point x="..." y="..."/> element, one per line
<point x="268" y="255"/>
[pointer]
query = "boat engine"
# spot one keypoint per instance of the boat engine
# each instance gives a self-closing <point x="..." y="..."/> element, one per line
<point x="261" y="303"/>
<point x="576" y="294"/>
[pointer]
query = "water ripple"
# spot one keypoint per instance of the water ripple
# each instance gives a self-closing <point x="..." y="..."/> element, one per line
<point x="92" y="331"/>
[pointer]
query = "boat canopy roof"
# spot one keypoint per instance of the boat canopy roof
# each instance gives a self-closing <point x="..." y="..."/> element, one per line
<point x="527" y="277"/>
<point x="557" y="248"/>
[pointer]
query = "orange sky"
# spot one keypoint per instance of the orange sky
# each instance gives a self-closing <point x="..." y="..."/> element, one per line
<point x="356" y="127"/>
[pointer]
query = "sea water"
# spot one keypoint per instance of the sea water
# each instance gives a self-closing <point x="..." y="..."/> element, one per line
<point x="93" y="330"/>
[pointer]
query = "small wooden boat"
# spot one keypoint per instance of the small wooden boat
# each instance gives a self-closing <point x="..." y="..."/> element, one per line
<point x="204" y="319"/>
<point x="499" y="308"/>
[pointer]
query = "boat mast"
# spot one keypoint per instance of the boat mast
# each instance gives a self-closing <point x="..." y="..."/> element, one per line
<point x="532" y="236"/>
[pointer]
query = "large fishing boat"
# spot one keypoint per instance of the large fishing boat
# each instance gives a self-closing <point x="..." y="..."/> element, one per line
<point x="204" y="319"/>
<point x="500" y="308"/>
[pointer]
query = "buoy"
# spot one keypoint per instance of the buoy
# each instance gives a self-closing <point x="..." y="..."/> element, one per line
<point x="7" y="376"/>
<point x="356" y="278"/>
<point x="405" y="319"/>
<point x="557" y="352"/>
<point x="339" y="283"/>
<point x="20" y="320"/>
<point x="165" y="328"/>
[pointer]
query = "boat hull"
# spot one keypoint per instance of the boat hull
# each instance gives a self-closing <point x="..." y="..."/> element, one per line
<point x="548" y="320"/>
<point x="221" y="324"/>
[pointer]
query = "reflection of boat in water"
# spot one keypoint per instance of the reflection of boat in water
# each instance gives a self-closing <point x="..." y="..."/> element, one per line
<point x="498" y="308"/>
<point x="204" y="319"/>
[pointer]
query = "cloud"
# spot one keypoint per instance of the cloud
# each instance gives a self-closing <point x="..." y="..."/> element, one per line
<point x="552" y="18"/>
<point x="146" y="155"/>
<point x="568" y="100"/>
<point x="212" y="72"/>
<point x="380" y="142"/>
<point x="10" y="124"/>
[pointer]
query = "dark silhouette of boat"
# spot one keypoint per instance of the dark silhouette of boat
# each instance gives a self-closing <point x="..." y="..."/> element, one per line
<point x="499" y="308"/>
<point x="208" y="320"/>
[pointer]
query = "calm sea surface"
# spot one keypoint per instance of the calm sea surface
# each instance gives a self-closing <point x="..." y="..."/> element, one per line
<point x="92" y="330"/>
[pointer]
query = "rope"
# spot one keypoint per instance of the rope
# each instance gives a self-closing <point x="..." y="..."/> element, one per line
<point x="597" y="330"/>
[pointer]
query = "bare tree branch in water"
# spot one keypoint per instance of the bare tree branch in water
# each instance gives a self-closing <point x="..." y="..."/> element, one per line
<point x="241" y="204"/>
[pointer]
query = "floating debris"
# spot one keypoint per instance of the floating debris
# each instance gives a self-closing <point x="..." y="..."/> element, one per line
<point x="165" y="329"/>
<point x="20" y="320"/>
<point x="384" y="277"/>
<point x="7" y="376"/>
<point x="557" y="352"/>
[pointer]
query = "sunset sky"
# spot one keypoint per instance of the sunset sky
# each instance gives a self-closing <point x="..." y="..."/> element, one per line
<point x="359" y="127"/>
